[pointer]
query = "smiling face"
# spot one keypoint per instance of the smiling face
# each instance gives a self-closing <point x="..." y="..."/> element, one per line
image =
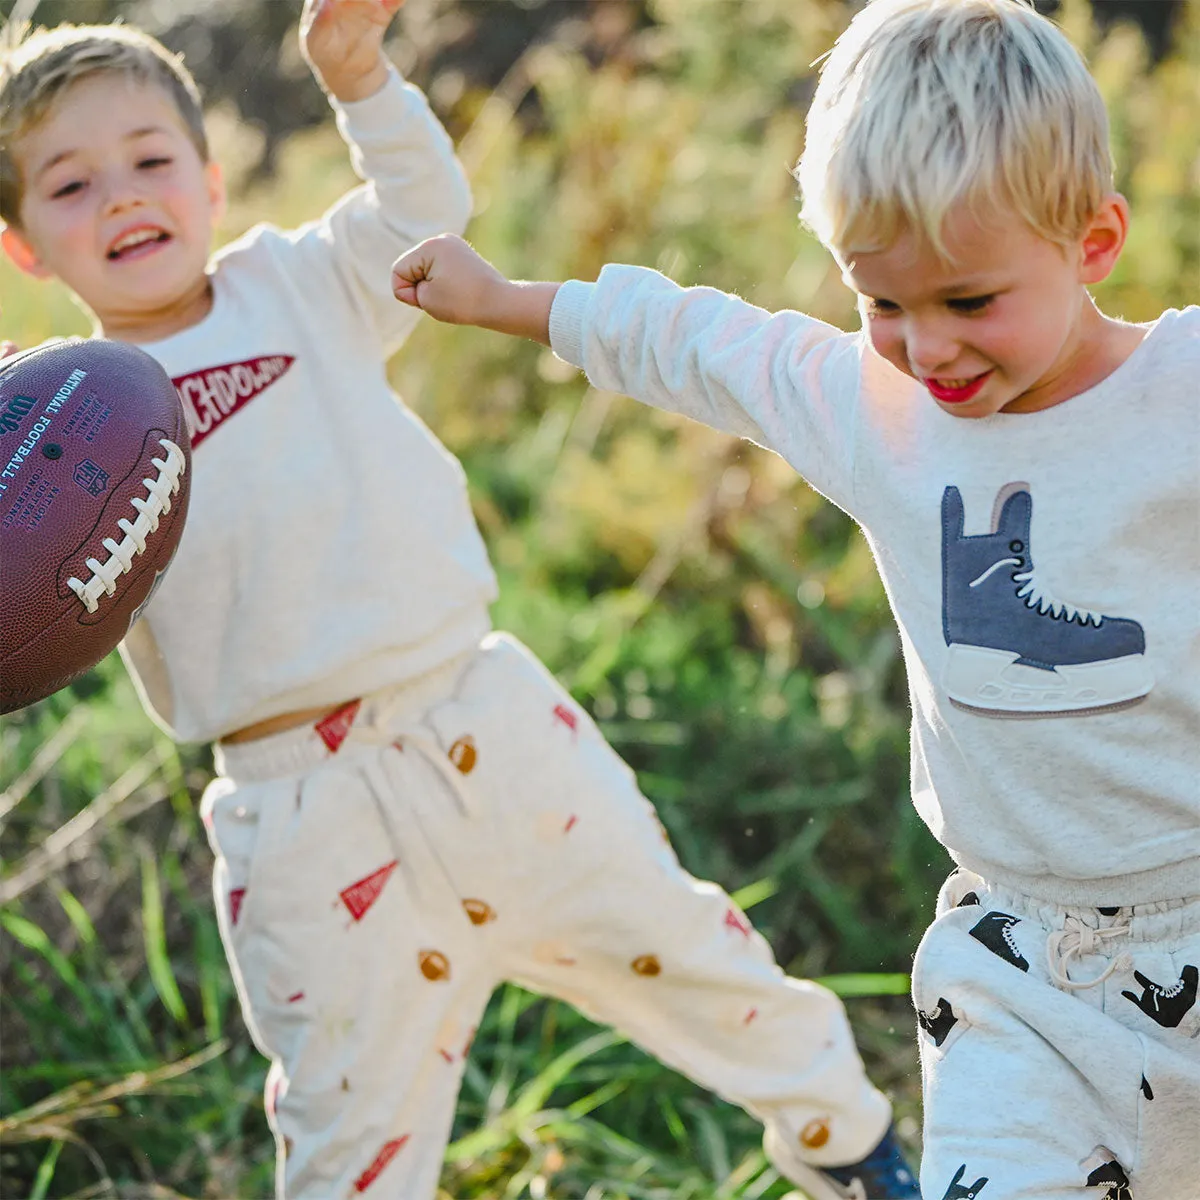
<point x="1006" y="324"/>
<point x="117" y="202"/>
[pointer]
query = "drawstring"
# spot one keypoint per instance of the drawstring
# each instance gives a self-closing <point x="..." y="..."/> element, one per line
<point x="1076" y="940"/>
<point x="372" y="727"/>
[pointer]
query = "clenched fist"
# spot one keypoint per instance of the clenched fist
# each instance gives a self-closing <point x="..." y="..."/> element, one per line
<point x="447" y="279"/>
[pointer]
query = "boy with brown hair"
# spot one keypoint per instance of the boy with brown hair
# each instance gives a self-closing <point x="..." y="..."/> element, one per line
<point x="408" y="809"/>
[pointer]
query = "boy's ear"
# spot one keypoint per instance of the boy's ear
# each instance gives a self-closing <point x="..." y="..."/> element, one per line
<point x="215" y="178"/>
<point x="22" y="253"/>
<point x="1104" y="239"/>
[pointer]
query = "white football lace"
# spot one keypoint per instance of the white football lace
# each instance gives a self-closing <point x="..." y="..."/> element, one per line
<point x="1037" y="595"/>
<point x="149" y="510"/>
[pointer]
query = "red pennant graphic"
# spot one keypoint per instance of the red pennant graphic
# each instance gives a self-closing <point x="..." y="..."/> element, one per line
<point x="385" y="1156"/>
<point x="358" y="897"/>
<point x="734" y="920"/>
<point x="566" y="716"/>
<point x="212" y="395"/>
<point x="335" y="726"/>
<point x="235" y="903"/>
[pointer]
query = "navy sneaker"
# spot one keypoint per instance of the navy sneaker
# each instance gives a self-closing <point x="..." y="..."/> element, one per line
<point x="882" y="1175"/>
<point x="1014" y="649"/>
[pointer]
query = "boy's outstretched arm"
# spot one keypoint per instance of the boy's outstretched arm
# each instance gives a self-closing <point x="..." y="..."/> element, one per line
<point x="783" y="380"/>
<point x="445" y="278"/>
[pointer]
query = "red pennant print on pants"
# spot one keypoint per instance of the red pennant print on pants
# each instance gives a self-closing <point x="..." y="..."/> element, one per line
<point x="388" y="1151"/>
<point x="333" y="728"/>
<point x="358" y="897"/>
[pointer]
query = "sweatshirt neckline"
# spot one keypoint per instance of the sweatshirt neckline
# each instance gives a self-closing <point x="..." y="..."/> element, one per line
<point x="1114" y="381"/>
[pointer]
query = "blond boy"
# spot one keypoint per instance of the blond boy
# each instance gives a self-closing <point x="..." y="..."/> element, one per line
<point x="1025" y="469"/>
<point x="409" y="810"/>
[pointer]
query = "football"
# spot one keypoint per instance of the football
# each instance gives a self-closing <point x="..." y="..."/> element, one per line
<point x="94" y="461"/>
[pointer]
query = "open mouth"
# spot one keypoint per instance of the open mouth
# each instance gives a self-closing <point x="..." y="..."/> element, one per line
<point x="137" y="243"/>
<point x="956" y="391"/>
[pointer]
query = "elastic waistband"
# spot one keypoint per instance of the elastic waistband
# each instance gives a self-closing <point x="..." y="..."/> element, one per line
<point x="295" y="751"/>
<point x="1155" y="921"/>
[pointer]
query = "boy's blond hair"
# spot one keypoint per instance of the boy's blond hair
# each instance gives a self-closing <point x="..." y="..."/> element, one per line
<point x="924" y="105"/>
<point x="36" y="69"/>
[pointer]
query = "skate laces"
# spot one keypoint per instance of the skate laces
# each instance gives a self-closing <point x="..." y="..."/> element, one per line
<point x="1037" y="595"/>
<point x="1076" y="940"/>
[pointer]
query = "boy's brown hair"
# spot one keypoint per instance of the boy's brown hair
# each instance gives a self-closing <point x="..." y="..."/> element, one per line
<point x="36" y="68"/>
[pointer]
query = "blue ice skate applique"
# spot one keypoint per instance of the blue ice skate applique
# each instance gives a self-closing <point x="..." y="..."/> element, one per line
<point x="1014" y="649"/>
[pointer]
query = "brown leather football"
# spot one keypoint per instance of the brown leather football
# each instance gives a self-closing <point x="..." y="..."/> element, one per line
<point x="94" y="459"/>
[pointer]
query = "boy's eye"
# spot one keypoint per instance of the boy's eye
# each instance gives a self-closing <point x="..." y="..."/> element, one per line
<point x="970" y="304"/>
<point x="881" y="308"/>
<point x="67" y="189"/>
<point x="154" y="161"/>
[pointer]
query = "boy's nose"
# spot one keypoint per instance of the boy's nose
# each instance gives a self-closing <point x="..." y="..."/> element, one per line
<point x="120" y="194"/>
<point x="929" y="350"/>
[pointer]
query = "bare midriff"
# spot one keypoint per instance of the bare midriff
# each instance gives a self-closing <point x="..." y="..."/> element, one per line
<point x="279" y="724"/>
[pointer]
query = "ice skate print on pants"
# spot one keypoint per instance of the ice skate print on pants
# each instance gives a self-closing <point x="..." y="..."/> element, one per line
<point x="960" y="1191"/>
<point x="1014" y="648"/>
<point x="938" y="1022"/>
<point x="995" y="931"/>
<point x="1105" y="1171"/>
<point x="1167" y="1006"/>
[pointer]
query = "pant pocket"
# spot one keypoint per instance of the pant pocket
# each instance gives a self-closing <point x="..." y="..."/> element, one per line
<point x="937" y="990"/>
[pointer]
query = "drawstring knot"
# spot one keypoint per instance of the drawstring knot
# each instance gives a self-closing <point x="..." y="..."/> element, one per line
<point x="1076" y="940"/>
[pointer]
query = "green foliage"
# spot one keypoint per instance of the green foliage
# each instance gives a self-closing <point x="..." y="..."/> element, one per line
<point x="723" y="623"/>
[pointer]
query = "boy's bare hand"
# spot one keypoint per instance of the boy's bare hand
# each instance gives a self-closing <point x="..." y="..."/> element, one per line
<point x="444" y="277"/>
<point x="342" y="40"/>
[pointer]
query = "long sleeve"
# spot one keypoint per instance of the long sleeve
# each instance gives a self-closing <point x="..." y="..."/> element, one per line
<point x="784" y="380"/>
<point x="413" y="187"/>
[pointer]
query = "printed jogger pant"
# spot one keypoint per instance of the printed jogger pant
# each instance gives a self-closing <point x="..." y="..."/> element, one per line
<point x="1059" y="1048"/>
<point x="373" y="891"/>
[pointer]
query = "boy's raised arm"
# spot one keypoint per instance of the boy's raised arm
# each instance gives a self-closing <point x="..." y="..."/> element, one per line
<point x="342" y="41"/>
<point x="413" y="185"/>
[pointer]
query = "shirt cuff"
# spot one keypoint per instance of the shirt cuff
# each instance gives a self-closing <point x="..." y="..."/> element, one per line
<point x="566" y="320"/>
<point x="377" y="112"/>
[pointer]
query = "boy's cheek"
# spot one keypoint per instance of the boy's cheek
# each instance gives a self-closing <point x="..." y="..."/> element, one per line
<point x="889" y="347"/>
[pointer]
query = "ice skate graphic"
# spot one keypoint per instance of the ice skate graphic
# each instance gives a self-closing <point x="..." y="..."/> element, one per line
<point x="994" y="930"/>
<point x="1166" y="1006"/>
<point x="957" y="1191"/>
<point x="1109" y="1173"/>
<point x="1014" y="648"/>
<point x="938" y="1022"/>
